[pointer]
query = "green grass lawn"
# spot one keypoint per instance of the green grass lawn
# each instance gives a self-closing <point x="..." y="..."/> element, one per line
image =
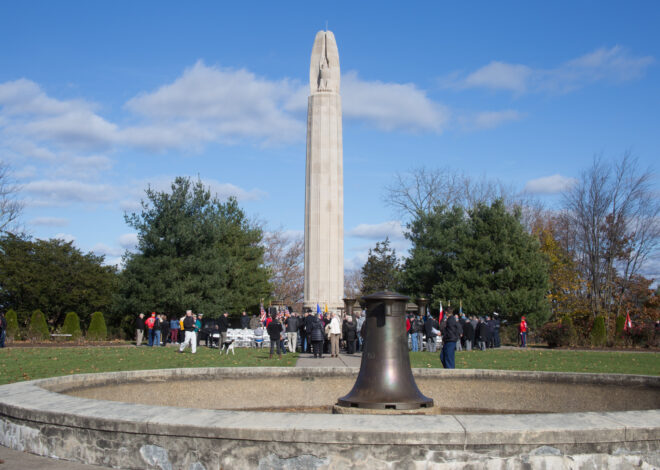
<point x="17" y="364"/>
<point x="645" y="363"/>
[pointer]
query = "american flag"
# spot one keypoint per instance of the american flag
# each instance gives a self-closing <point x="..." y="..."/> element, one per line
<point x="263" y="314"/>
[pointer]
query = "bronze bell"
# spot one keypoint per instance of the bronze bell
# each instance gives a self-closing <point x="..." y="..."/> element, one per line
<point x="385" y="380"/>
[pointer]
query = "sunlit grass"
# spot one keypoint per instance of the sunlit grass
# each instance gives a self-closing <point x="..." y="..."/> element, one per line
<point x="18" y="364"/>
<point x="644" y="363"/>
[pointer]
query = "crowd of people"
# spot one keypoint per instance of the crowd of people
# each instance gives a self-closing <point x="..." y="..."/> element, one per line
<point x="324" y="333"/>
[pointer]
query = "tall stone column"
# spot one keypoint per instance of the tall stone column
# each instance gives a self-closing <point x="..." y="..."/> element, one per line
<point x="324" y="180"/>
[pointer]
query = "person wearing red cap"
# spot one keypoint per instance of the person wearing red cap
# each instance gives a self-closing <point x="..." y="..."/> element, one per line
<point x="523" y="332"/>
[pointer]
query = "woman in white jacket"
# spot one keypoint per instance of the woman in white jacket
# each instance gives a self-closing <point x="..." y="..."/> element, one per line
<point x="335" y="333"/>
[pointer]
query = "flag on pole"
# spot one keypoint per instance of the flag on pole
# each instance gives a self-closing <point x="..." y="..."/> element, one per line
<point x="326" y="308"/>
<point x="318" y="309"/>
<point x="628" y="324"/>
<point x="441" y="313"/>
<point x="460" y="307"/>
<point x="263" y="314"/>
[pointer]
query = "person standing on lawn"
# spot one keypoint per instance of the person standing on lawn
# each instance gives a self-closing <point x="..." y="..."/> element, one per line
<point x="523" y="332"/>
<point x="3" y="329"/>
<point x="450" y="335"/>
<point x="174" y="330"/>
<point x="189" y="331"/>
<point x="149" y="323"/>
<point x="139" y="329"/>
<point x="274" y="330"/>
<point x="223" y="323"/>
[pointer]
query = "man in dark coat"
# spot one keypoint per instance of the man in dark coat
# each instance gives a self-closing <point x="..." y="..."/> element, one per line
<point x="309" y="319"/>
<point x="223" y="324"/>
<point x="139" y="329"/>
<point x="450" y="335"/>
<point x="468" y="335"/>
<point x="245" y="321"/>
<point x="429" y="325"/>
<point x="350" y="334"/>
<point x="292" y="331"/>
<point x="274" y="330"/>
<point x="316" y="335"/>
<point x="481" y="334"/>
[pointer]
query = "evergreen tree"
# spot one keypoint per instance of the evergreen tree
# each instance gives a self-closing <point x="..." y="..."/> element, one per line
<point x="437" y="237"/>
<point x="53" y="276"/>
<point x="598" y="332"/>
<point x="97" y="330"/>
<point x="12" y="324"/>
<point x="72" y="326"/>
<point x="38" y="330"/>
<point x="194" y="252"/>
<point x="486" y="259"/>
<point x="381" y="271"/>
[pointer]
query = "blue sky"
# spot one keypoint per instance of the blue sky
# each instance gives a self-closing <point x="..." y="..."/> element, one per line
<point x="99" y="99"/>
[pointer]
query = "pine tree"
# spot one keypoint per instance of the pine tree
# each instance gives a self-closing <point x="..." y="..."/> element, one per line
<point x="381" y="271"/>
<point x="194" y="252"/>
<point x="484" y="258"/>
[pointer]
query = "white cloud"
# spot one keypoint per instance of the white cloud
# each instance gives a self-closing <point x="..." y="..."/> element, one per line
<point x="613" y="65"/>
<point x="67" y="237"/>
<point x="492" y="119"/>
<point x="106" y="250"/>
<point x="501" y="76"/>
<point x="391" y="229"/>
<point x="57" y="191"/>
<point x="213" y="103"/>
<point x="549" y="184"/>
<point x="50" y="221"/>
<point x="128" y="241"/>
<point x="391" y="106"/>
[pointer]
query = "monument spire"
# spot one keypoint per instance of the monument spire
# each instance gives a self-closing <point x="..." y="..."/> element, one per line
<point x="324" y="179"/>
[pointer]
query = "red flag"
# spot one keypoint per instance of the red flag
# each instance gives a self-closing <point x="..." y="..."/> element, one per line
<point x="628" y="325"/>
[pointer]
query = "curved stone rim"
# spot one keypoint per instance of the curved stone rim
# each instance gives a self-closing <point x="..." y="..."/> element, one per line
<point x="31" y="401"/>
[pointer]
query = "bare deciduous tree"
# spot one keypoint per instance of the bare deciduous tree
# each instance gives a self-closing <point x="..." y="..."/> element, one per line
<point x="421" y="189"/>
<point x="10" y="206"/>
<point x="614" y="214"/>
<point x="353" y="283"/>
<point x="285" y="257"/>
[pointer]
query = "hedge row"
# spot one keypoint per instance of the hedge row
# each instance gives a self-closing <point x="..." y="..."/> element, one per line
<point x="37" y="329"/>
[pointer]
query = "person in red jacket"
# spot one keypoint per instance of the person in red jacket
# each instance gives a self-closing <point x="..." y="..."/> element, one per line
<point x="149" y="323"/>
<point x="523" y="332"/>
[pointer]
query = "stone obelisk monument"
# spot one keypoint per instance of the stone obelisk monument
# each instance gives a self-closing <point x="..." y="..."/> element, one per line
<point x="324" y="180"/>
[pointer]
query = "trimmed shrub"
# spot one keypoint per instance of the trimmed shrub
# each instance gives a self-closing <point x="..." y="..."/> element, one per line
<point x="555" y="334"/>
<point x="598" y="332"/>
<point x="12" y="325"/>
<point x="97" y="330"/>
<point x="642" y="335"/>
<point x="619" y="324"/>
<point x="72" y="326"/>
<point x="571" y="332"/>
<point x="38" y="329"/>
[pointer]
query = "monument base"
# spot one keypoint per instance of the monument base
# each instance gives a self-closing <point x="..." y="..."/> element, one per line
<point x="344" y="410"/>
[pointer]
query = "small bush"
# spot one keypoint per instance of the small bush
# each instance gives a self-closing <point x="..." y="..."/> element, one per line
<point x="571" y="332"/>
<point x="642" y="335"/>
<point x="38" y="329"/>
<point x="97" y="330"/>
<point x="555" y="334"/>
<point x="12" y="325"/>
<point x="598" y="332"/>
<point x="72" y="326"/>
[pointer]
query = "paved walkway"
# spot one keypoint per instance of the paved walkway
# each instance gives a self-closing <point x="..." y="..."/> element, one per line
<point x="344" y="360"/>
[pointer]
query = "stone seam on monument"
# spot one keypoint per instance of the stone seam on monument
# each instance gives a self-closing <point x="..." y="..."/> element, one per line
<point x="324" y="198"/>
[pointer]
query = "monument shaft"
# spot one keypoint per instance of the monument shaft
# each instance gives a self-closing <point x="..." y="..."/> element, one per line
<point x="324" y="180"/>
